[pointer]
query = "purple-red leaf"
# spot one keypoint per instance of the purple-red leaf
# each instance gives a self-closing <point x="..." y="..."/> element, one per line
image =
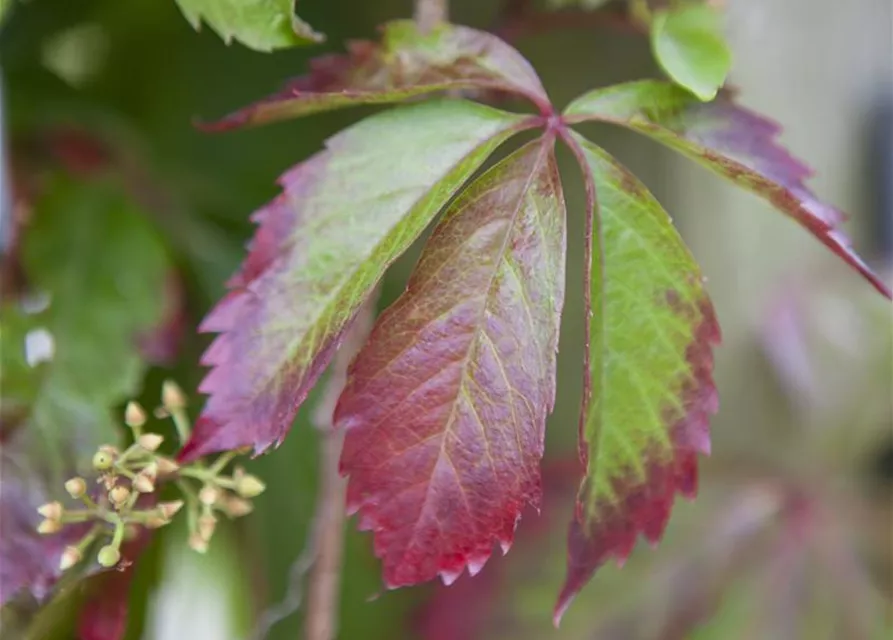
<point x="648" y="389"/>
<point x="320" y="248"/>
<point x="406" y="64"/>
<point x="445" y="407"/>
<point x="730" y="141"/>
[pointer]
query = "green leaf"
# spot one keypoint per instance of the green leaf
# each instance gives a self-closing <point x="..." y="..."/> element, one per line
<point x="407" y="64"/>
<point x="99" y="272"/>
<point x="262" y="25"/>
<point x="731" y="141"/>
<point x="688" y="42"/>
<point x="648" y="390"/>
<point x="344" y="216"/>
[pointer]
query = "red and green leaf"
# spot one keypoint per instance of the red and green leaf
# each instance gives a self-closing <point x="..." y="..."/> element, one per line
<point x="730" y="141"/>
<point x="648" y="392"/>
<point x="445" y="407"/>
<point x="103" y="272"/>
<point x="405" y="65"/>
<point x="320" y="248"/>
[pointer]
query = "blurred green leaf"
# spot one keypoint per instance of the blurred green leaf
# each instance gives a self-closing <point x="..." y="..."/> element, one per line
<point x="102" y="267"/>
<point x="689" y="45"/>
<point x="262" y="25"/>
<point x="70" y="354"/>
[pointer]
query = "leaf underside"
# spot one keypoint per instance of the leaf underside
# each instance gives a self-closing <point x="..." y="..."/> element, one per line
<point x="445" y="407"/>
<point x="344" y="215"/>
<point x="262" y="25"/>
<point x="104" y="271"/>
<point x="731" y="141"/>
<point x="407" y="64"/>
<point x="649" y="390"/>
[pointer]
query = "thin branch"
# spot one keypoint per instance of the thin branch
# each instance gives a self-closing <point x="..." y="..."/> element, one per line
<point x="325" y="580"/>
<point x="520" y="20"/>
<point x="430" y="13"/>
<point x="321" y="556"/>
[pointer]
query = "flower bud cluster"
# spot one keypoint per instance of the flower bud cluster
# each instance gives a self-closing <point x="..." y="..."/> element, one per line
<point x="124" y="477"/>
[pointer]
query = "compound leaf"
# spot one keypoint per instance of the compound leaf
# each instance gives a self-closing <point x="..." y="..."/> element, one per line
<point x="730" y="141"/>
<point x="406" y="64"/>
<point x="445" y="407"/>
<point x="262" y="25"/>
<point x="320" y="247"/>
<point x="648" y="388"/>
<point x="688" y="43"/>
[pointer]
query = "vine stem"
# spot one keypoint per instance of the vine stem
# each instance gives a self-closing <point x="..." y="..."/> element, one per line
<point x="325" y="578"/>
<point x="430" y="13"/>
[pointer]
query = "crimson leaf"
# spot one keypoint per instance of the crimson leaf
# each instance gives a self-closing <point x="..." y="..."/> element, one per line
<point x="729" y="140"/>
<point x="320" y="248"/>
<point x="445" y="406"/>
<point x="407" y="64"/>
<point x="648" y="389"/>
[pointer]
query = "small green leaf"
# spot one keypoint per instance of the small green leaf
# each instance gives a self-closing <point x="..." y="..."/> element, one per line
<point x="688" y="42"/>
<point x="262" y="25"/>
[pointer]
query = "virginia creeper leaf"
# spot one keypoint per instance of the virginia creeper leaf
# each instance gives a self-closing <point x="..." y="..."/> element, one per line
<point x="445" y="406"/>
<point x="66" y="361"/>
<point x="321" y="246"/>
<point x="262" y="25"/>
<point x="406" y="64"/>
<point x="730" y="141"/>
<point x="648" y="391"/>
<point x="688" y="43"/>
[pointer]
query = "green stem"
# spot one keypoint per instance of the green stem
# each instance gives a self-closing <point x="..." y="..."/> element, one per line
<point x="89" y="538"/>
<point x="207" y="476"/>
<point x="222" y="461"/>
<point x="191" y="505"/>
<point x="181" y="423"/>
<point x="118" y="536"/>
<point x="77" y="516"/>
<point x="640" y="11"/>
<point x="133" y="450"/>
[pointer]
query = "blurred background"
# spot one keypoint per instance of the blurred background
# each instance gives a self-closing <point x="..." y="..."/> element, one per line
<point x="791" y="536"/>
